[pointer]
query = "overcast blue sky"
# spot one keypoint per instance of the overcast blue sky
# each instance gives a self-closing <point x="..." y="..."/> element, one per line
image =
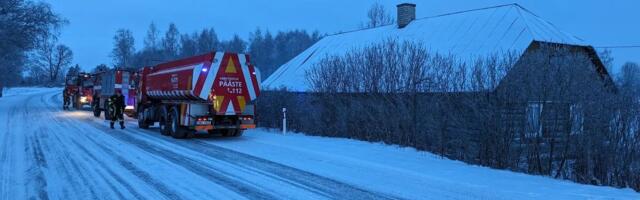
<point x="94" y="22"/>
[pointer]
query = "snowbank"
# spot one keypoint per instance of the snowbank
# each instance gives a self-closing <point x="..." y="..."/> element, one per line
<point x="9" y="92"/>
<point x="409" y="173"/>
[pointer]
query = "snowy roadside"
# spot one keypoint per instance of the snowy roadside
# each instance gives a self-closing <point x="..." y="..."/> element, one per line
<point x="406" y="172"/>
<point x="10" y="92"/>
<point x="72" y="155"/>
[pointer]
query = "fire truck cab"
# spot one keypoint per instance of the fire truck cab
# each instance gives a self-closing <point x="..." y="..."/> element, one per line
<point x="80" y="88"/>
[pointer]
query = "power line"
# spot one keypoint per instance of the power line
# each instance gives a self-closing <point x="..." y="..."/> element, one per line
<point x="619" y="47"/>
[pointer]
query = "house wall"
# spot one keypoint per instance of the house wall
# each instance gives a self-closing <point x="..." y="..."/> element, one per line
<point x="558" y="76"/>
<point x="566" y="82"/>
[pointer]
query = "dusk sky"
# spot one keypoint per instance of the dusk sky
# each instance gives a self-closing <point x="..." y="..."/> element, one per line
<point x="94" y="22"/>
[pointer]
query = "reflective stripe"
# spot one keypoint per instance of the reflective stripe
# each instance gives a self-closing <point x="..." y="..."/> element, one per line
<point x="230" y="109"/>
<point x="195" y="75"/>
<point x="211" y="76"/>
<point x="174" y="70"/>
<point x="247" y="76"/>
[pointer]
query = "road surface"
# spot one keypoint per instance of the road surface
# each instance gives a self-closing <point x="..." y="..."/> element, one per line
<point x="47" y="153"/>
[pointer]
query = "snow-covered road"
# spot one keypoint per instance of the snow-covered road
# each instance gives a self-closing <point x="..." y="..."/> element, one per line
<point x="47" y="153"/>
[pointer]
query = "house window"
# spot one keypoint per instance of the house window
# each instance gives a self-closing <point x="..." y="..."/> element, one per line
<point x="577" y="119"/>
<point x="533" y="120"/>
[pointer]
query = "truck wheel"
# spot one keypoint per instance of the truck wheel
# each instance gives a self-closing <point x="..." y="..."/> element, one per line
<point x="164" y="129"/>
<point x="225" y="133"/>
<point x="237" y="133"/>
<point x="78" y="105"/>
<point x="174" y="125"/>
<point x="214" y="132"/>
<point x="107" y="114"/>
<point x="142" y="121"/>
<point x="232" y="133"/>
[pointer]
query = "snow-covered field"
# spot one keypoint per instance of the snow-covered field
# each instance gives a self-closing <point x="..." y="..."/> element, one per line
<point x="46" y="153"/>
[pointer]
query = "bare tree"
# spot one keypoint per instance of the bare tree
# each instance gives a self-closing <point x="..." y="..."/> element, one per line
<point x="100" y="68"/>
<point x="22" y="22"/>
<point x="51" y="58"/>
<point x="123" y="49"/>
<point x="377" y="16"/>
<point x="607" y="59"/>
<point x="74" y="70"/>
<point x="629" y="78"/>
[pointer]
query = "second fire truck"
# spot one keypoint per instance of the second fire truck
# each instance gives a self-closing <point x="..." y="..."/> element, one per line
<point x="79" y="88"/>
<point x="106" y="84"/>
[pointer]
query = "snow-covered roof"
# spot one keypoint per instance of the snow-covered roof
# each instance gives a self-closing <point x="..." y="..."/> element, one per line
<point x="467" y="35"/>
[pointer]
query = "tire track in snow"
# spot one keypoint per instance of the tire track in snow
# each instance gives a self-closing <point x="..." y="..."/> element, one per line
<point x="34" y="149"/>
<point x="145" y="177"/>
<point x="194" y="166"/>
<point x="7" y="163"/>
<point x="219" y="177"/>
<point x="73" y="172"/>
<point x="320" y="185"/>
<point x="316" y="184"/>
<point x="68" y="165"/>
<point x="335" y="189"/>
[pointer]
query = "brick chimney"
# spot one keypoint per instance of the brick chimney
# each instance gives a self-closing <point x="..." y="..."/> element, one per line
<point x="406" y="14"/>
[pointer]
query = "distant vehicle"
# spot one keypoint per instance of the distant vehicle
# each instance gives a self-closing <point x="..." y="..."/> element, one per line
<point x="106" y="84"/>
<point x="212" y="93"/>
<point x="80" y="87"/>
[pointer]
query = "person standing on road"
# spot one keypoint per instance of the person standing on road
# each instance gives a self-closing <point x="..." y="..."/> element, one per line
<point x="116" y="103"/>
<point x="66" y="99"/>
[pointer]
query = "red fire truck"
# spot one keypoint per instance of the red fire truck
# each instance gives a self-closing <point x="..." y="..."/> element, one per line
<point x="80" y="88"/>
<point x="106" y="85"/>
<point x="210" y="93"/>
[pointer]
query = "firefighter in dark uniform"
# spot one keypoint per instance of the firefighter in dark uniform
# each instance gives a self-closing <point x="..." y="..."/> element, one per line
<point x="66" y="98"/>
<point x="116" y="103"/>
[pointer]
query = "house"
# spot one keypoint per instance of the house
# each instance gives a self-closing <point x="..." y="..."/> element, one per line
<point x="469" y="35"/>
<point x="549" y="112"/>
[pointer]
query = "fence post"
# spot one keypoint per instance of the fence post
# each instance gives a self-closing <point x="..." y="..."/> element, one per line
<point x="284" y="121"/>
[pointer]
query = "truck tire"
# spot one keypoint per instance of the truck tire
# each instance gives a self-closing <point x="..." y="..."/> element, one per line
<point x="174" y="125"/>
<point x="164" y="115"/>
<point x="238" y="133"/>
<point x="142" y="120"/>
<point x="232" y="133"/>
<point x="78" y="104"/>
<point x="107" y="114"/>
